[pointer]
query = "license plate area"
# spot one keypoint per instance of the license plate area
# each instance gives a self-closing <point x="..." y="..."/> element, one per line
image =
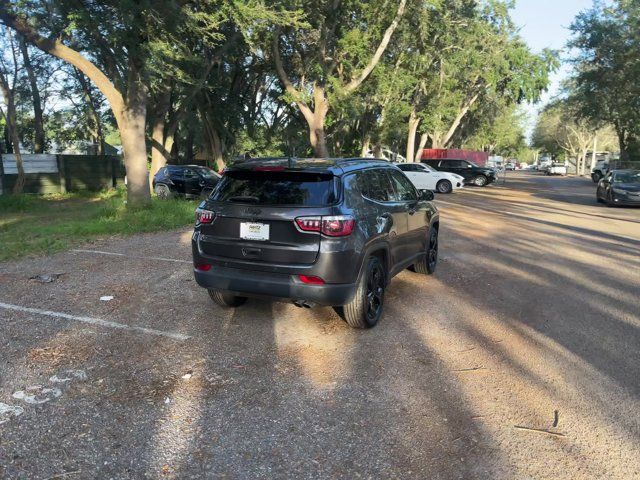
<point x="254" y="231"/>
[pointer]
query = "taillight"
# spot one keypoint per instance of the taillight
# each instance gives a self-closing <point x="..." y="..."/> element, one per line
<point x="338" y="226"/>
<point x="204" y="216"/>
<point x="203" y="267"/>
<point x="309" y="224"/>
<point x="311" y="280"/>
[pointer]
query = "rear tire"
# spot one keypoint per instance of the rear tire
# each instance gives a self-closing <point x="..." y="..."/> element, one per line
<point x="480" y="181"/>
<point x="163" y="192"/>
<point x="365" y="310"/>
<point x="226" y="299"/>
<point x="427" y="265"/>
<point x="444" y="186"/>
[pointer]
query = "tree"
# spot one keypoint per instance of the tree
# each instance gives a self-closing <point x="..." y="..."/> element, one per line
<point x="560" y="131"/>
<point x="124" y="47"/>
<point x="8" y="80"/>
<point x="498" y="129"/>
<point x="39" y="137"/>
<point x="488" y="64"/>
<point x="607" y="66"/>
<point x="332" y="57"/>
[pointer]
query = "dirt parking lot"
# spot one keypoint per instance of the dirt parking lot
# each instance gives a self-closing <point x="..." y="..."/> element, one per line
<point x="519" y="359"/>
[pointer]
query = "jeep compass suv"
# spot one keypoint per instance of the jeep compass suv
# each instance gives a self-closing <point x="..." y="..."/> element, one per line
<point x="313" y="231"/>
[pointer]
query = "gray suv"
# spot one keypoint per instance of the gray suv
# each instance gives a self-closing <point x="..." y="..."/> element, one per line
<point x="313" y="231"/>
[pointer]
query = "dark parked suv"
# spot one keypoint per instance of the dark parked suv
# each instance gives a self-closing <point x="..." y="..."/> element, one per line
<point x="327" y="232"/>
<point x="187" y="180"/>
<point x="472" y="173"/>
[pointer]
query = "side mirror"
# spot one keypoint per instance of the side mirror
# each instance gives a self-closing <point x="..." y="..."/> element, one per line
<point x="426" y="195"/>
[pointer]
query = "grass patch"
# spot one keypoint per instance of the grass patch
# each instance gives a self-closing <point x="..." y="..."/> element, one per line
<point x="36" y="225"/>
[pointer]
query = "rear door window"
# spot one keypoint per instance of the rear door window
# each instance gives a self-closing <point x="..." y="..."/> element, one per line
<point x="277" y="188"/>
<point x="403" y="188"/>
<point x="375" y="185"/>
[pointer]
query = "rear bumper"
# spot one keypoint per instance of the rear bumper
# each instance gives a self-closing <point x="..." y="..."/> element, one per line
<point x="252" y="283"/>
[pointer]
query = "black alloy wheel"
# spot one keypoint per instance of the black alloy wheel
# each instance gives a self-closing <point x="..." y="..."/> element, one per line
<point x="432" y="252"/>
<point x="375" y="292"/>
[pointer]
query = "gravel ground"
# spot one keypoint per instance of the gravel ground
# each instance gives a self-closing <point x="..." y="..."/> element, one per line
<point x="518" y="359"/>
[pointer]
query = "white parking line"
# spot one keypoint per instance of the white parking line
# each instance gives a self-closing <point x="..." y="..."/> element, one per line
<point x="99" y="252"/>
<point x="96" y="321"/>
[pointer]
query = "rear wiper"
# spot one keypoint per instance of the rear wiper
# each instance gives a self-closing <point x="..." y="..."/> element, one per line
<point x="244" y="198"/>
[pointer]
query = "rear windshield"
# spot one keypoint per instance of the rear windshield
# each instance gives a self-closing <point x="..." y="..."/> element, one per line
<point x="277" y="188"/>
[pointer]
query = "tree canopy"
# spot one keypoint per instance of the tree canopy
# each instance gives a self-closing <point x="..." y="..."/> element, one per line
<point x="209" y="80"/>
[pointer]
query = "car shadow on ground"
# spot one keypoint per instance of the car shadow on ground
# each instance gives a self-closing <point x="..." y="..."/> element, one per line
<point x="315" y="399"/>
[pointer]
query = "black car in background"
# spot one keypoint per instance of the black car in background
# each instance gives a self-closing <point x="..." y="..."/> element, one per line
<point x="619" y="187"/>
<point x="184" y="180"/>
<point x="313" y="231"/>
<point x="472" y="173"/>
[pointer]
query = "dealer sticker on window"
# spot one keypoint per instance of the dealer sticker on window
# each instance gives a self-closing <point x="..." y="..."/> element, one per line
<point x="254" y="231"/>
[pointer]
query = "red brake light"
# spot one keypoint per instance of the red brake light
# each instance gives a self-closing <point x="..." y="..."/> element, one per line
<point x="311" y="280"/>
<point x="204" y="216"/>
<point x="203" y="267"/>
<point x="339" y="226"/>
<point x="309" y="224"/>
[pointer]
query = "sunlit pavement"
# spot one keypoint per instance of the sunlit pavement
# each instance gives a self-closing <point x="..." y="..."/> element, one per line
<point x="520" y="358"/>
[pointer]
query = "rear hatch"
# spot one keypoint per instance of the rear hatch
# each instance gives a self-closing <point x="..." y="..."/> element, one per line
<point x="255" y="212"/>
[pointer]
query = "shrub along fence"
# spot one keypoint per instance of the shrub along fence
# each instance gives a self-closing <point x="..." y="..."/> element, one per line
<point x="46" y="173"/>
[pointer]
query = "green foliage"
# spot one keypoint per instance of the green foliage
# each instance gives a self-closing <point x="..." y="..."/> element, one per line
<point x="607" y="68"/>
<point x="504" y="135"/>
<point x="447" y="61"/>
<point x="67" y="220"/>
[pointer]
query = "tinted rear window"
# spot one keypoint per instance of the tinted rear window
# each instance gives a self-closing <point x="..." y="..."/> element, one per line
<point x="277" y="188"/>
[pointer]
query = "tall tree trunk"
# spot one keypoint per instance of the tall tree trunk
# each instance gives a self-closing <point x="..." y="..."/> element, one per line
<point x="158" y="157"/>
<point x="39" y="138"/>
<point x="93" y="111"/>
<point x="414" y="123"/>
<point x="366" y="143"/>
<point x="315" y="120"/>
<point x="12" y="128"/>
<point x="437" y="140"/>
<point x="213" y="141"/>
<point x="159" y="154"/>
<point x="132" y="126"/>
<point x="458" y="120"/>
<point x="216" y="150"/>
<point x="594" y="153"/>
<point x="188" y="147"/>
<point x="423" y="143"/>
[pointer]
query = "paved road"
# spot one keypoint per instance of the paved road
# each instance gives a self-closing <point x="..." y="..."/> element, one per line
<point x="519" y="359"/>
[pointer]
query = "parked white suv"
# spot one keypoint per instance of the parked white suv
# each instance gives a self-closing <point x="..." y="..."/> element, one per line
<point x="424" y="177"/>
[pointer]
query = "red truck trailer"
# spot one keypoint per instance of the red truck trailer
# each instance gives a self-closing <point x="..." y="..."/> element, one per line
<point x="479" y="158"/>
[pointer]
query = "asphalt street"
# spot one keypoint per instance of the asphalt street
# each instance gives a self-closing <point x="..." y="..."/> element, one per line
<point x="519" y="359"/>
